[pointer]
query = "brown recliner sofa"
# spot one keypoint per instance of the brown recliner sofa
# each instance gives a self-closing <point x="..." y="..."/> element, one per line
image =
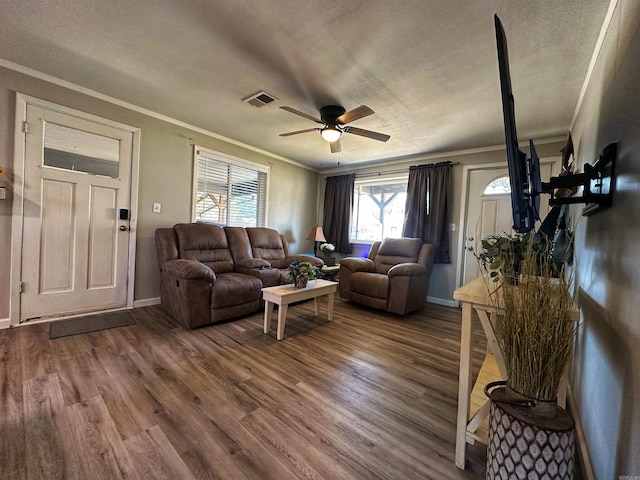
<point x="209" y="273"/>
<point x="394" y="277"/>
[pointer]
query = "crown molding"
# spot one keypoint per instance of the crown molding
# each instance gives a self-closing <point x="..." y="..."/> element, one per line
<point x="422" y="157"/>
<point x="145" y="111"/>
<point x="613" y="5"/>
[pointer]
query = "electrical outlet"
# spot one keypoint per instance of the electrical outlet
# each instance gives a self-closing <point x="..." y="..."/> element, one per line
<point x="452" y="227"/>
<point x="3" y="193"/>
<point x="157" y="208"/>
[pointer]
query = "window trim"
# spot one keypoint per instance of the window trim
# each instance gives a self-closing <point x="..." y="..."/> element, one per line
<point x="232" y="160"/>
<point x="373" y="180"/>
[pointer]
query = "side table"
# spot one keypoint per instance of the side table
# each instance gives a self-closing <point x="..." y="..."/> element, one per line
<point x="331" y="272"/>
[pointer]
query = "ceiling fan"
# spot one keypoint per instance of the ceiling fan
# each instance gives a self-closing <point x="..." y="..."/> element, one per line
<point x="333" y="118"/>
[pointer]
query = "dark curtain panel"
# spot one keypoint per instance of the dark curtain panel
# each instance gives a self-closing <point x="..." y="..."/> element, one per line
<point x="338" y="203"/>
<point x="426" y="210"/>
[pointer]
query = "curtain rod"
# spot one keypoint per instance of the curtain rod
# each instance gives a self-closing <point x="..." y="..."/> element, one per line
<point x="389" y="172"/>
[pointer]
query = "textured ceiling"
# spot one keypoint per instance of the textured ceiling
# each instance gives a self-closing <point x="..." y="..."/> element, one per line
<point x="427" y="67"/>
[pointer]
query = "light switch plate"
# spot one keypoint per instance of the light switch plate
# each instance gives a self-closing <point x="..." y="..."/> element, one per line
<point x="3" y="193"/>
<point x="157" y="208"/>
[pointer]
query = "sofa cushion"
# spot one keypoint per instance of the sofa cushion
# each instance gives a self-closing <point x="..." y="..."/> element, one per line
<point x="235" y="289"/>
<point x="238" y="243"/>
<point x="205" y="243"/>
<point x="397" y="250"/>
<point x="266" y="244"/>
<point x="166" y="245"/>
<point x="370" y="284"/>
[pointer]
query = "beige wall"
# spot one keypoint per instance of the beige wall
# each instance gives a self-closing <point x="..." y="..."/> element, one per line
<point x="606" y="371"/>
<point x="165" y="176"/>
<point x="443" y="279"/>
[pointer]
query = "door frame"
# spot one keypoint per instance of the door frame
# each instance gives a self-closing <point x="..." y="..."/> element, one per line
<point x="554" y="161"/>
<point x="17" y="215"/>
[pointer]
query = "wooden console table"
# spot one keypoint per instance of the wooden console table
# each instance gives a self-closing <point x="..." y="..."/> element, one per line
<point x="473" y="406"/>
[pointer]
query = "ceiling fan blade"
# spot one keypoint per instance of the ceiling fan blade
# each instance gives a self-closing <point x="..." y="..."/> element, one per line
<point x="381" y="137"/>
<point x="288" y="134"/>
<point x="355" y="114"/>
<point x="336" y="146"/>
<point x="302" y="114"/>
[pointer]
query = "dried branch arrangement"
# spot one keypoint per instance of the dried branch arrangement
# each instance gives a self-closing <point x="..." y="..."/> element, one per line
<point x="537" y="329"/>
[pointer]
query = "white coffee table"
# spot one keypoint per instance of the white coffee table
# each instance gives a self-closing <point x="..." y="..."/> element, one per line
<point x="283" y="295"/>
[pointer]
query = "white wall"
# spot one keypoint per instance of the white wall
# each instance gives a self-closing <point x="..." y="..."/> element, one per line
<point x="606" y="370"/>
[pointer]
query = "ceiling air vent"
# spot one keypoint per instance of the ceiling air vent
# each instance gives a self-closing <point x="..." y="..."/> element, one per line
<point x="260" y="99"/>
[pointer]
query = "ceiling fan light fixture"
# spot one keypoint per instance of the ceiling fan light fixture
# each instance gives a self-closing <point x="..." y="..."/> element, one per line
<point x="333" y="119"/>
<point x="330" y="134"/>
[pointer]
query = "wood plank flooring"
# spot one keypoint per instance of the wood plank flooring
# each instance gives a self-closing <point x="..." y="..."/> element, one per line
<point x="368" y="396"/>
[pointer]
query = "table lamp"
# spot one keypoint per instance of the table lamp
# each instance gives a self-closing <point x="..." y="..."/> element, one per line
<point x="316" y="235"/>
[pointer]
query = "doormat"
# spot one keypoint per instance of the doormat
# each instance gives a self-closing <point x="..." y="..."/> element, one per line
<point x="89" y="323"/>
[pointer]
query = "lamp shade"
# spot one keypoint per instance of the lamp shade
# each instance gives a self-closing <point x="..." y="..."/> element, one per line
<point x="316" y="234"/>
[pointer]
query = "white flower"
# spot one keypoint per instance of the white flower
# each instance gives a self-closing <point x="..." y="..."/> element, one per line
<point x="327" y="247"/>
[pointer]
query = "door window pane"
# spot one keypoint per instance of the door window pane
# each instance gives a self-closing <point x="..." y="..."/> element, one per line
<point x="80" y="151"/>
<point x="499" y="186"/>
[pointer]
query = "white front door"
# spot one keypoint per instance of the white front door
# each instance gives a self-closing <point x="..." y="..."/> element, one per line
<point x="488" y="212"/>
<point x="76" y="204"/>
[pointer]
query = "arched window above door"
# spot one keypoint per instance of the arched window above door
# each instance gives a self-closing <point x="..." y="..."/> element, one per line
<point x="498" y="186"/>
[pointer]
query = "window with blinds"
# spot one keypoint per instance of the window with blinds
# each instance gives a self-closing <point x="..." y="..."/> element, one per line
<point x="228" y="191"/>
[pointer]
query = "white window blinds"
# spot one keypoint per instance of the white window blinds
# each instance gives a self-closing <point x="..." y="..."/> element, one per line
<point x="228" y="192"/>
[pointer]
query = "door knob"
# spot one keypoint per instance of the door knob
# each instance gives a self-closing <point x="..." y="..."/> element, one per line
<point x="470" y="249"/>
<point x="470" y="239"/>
<point x="123" y="228"/>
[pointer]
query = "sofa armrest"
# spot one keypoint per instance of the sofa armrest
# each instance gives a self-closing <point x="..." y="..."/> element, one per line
<point x="315" y="261"/>
<point x="408" y="287"/>
<point x="349" y="266"/>
<point x="253" y="263"/>
<point x="189" y="270"/>
<point x="407" y="270"/>
<point x="357" y="264"/>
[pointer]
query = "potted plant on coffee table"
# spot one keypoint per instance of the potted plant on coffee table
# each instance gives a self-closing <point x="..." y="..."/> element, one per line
<point x="301" y="273"/>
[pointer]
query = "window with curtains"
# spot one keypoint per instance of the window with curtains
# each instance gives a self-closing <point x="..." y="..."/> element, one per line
<point x="378" y="208"/>
<point x="228" y="191"/>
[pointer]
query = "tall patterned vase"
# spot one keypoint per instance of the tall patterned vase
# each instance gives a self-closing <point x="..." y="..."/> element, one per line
<point x="528" y="439"/>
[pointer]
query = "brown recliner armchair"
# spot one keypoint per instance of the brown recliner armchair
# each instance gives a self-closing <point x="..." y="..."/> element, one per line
<point x="198" y="279"/>
<point x="394" y="277"/>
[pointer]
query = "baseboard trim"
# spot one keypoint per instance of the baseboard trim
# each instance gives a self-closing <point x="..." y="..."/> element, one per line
<point x="5" y="323"/>
<point x="585" y="459"/>
<point x="441" y="301"/>
<point x="146" y="302"/>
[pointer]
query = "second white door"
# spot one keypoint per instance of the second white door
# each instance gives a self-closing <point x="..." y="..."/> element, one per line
<point x="489" y="212"/>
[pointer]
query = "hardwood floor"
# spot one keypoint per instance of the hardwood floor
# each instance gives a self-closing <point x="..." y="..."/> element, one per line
<point x="367" y="396"/>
